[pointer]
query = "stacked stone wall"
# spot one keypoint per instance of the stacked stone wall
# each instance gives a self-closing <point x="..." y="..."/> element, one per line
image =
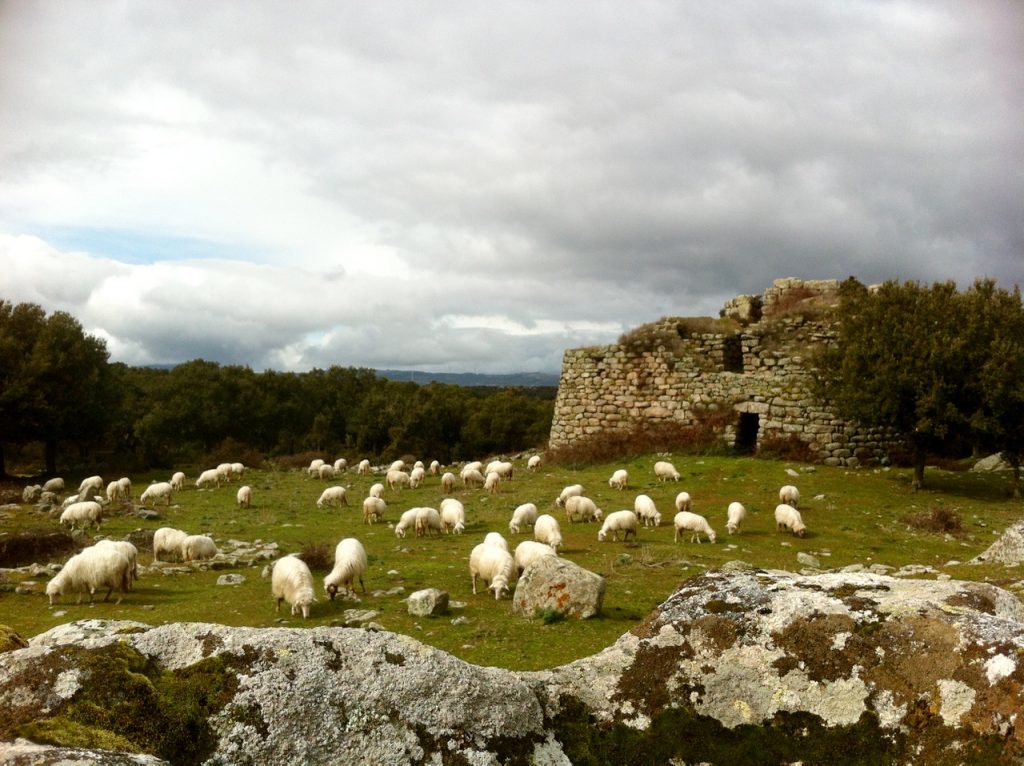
<point x="618" y="389"/>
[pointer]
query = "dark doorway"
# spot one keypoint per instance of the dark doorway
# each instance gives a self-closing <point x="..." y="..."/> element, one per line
<point x="746" y="432"/>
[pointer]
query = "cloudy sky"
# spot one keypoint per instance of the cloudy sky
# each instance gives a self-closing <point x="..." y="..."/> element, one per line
<point x="477" y="186"/>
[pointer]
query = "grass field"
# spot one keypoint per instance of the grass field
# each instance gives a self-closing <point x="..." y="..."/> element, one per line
<point x="853" y="516"/>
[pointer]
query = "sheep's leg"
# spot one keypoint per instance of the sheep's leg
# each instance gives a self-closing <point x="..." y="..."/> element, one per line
<point x="278" y="607"/>
<point x="474" y="584"/>
<point x="361" y="584"/>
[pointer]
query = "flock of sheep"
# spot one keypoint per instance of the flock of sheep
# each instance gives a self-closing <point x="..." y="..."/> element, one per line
<point x="112" y="565"/>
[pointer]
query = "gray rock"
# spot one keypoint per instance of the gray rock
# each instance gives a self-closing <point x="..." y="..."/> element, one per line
<point x="356" y="617"/>
<point x="147" y="514"/>
<point x="231" y="579"/>
<point x="558" y="584"/>
<point x="808" y="560"/>
<point x="22" y="752"/>
<point x="994" y="462"/>
<point x="1008" y="549"/>
<point x="430" y="602"/>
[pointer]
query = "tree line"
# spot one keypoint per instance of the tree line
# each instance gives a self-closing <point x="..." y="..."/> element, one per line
<point x="59" y="389"/>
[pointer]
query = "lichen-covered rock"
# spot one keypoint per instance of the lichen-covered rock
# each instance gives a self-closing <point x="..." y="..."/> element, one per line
<point x="1007" y="549"/>
<point x="25" y="753"/>
<point x="429" y="602"/>
<point x="559" y="585"/>
<point x="31" y="493"/>
<point x="739" y="666"/>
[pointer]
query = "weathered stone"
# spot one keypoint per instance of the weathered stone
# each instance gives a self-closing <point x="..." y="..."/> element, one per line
<point x="994" y="462"/>
<point x="231" y="579"/>
<point x="1008" y="549"/>
<point x="32" y="493"/>
<point x="808" y="560"/>
<point x="429" y="602"/>
<point x="552" y="583"/>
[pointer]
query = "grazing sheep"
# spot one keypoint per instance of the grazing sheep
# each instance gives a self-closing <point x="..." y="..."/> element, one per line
<point x="416" y="476"/>
<point x="619" y="521"/>
<point x="492" y="565"/>
<point x="533" y="463"/>
<point x="332" y="496"/>
<point x="547" y="531"/>
<point x="93" y="485"/>
<point x="168" y="540"/>
<point x="55" y="484"/>
<point x="207" y="478"/>
<point x="619" y="479"/>
<point x="789" y="495"/>
<point x="448" y="483"/>
<point x="492" y="482"/>
<point x="428" y="521"/>
<point x="244" y="496"/>
<point x="665" y="471"/>
<point x="130" y="552"/>
<point x="397" y="479"/>
<point x="502" y="468"/>
<point x="472" y="478"/>
<point x="224" y="472"/>
<point x="92" y="569"/>
<point x="291" y="581"/>
<point x="83" y="514"/>
<point x="523" y="516"/>
<point x="349" y="565"/>
<point x="572" y="490"/>
<point x="453" y="516"/>
<point x="581" y="508"/>
<point x="398" y="465"/>
<point x="475" y="465"/>
<point x="435" y="468"/>
<point x="114" y="492"/>
<point x="788" y="517"/>
<point x="363" y="469"/>
<point x="495" y="538"/>
<point x="684" y="502"/>
<point x="237" y="469"/>
<point x="376" y="490"/>
<point x="178" y="481"/>
<point x="419" y="464"/>
<point x="197" y="547"/>
<point x="694" y="523"/>
<point x="340" y="465"/>
<point x="161" y="489"/>
<point x="325" y="472"/>
<point x="407" y="521"/>
<point x="734" y="517"/>
<point x="645" y="509"/>
<point x="314" y="467"/>
<point x="373" y="510"/>
<point x="529" y="551"/>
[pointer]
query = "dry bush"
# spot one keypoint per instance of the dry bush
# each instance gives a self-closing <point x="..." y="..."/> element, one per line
<point x="233" y="451"/>
<point x="319" y="557"/>
<point x="801" y="301"/>
<point x="940" y="520"/>
<point x="790" y="447"/>
<point x="299" y="461"/>
<point x="649" y="337"/>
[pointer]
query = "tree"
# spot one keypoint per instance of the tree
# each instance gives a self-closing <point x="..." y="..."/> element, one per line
<point x="901" y="363"/>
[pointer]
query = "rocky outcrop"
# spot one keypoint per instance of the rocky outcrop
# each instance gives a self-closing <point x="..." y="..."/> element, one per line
<point x="738" y="666"/>
<point x="1008" y="549"/>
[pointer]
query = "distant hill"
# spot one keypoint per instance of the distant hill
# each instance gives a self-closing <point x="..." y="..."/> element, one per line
<point x="523" y="379"/>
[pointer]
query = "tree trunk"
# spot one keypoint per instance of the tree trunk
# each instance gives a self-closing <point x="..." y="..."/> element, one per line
<point x="51" y="457"/>
<point x="918" y="481"/>
<point x="1015" y="481"/>
<point x="3" y="462"/>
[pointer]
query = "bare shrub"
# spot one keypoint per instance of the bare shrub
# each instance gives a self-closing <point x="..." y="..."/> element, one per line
<point x="790" y="447"/>
<point x="233" y="451"/>
<point x="319" y="557"/>
<point x="939" y="519"/>
<point x="298" y="461"/>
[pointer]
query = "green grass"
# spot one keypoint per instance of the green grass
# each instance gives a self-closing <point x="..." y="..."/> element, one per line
<point x="858" y="521"/>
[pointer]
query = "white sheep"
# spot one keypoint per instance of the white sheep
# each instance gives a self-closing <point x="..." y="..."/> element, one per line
<point x="237" y="469"/>
<point x="155" y="491"/>
<point x="694" y="523"/>
<point x="398" y="465"/>
<point x="788" y="517"/>
<point x="90" y="570"/>
<point x="529" y="551"/>
<point x="407" y="521"/>
<point x="332" y="496"/>
<point x="168" y="540"/>
<point x="69" y="500"/>
<point x="734" y="517"/>
<point x="55" y="484"/>
<point x="126" y="487"/>
<point x="314" y="467"/>
<point x="83" y="514"/>
<point x="373" y="509"/>
<point x="492" y="565"/>
<point x="325" y="472"/>
<point x="130" y="552"/>
<point x="503" y="468"/>
<point x="224" y="472"/>
<point x="397" y="479"/>
<point x="340" y="465"/>
<point x="363" y="469"/>
<point x="646" y="510"/>
<point x="376" y="490"/>
<point x="428" y="521"/>
<point x="178" y="481"/>
<point x="418" y="464"/>
<point x="582" y="508"/>
<point x="475" y="465"/>
<point x="684" y="502"/>
<point x="619" y="521"/>
<point x="665" y="471"/>
<point x="197" y="547"/>
<point x="619" y="479"/>
<point x="93" y="485"/>
<point x="547" y="531"/>
<point x="349" y="566"/>
<point x="453" y="516"/>
<point x="495" y="538"/>
<point x="533" y="463"/>
<point x="492" y="482"/>
<point x="789" y="495"/>
<point x="208" y="477"/>
<point x="114" y="492"/>
<point x="291" y="581"/>
<point x="244" y="496"/>
<point x="572" y="490"/>
<point x="472" y="478"/>
<point x="416" y="476"/>
<point x="523" y="516"/>
<point x="435" y="468"/>
<point x="448" y="482"/>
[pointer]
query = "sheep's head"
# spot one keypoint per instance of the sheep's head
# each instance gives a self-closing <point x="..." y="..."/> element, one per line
<point x="712" y="536"/>
<point x="500" y="586"/>
<point x="598" y="514"/>
<point x="602" y="535"/>
<point x="332" y="591"/>
<point x="800" y="531"/>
